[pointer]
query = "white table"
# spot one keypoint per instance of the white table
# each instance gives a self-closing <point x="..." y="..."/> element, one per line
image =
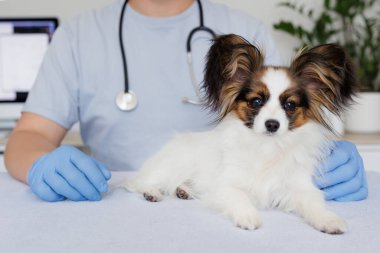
<point x="124" y="222"/>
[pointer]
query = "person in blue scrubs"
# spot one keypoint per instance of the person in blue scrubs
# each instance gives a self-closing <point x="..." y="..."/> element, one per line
<point x="82" y="74"/>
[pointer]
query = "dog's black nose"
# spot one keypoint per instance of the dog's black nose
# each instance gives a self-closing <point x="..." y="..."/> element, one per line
<point x="272" y="125"/>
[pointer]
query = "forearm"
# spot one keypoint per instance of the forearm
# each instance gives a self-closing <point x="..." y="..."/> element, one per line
<point x="23" y="149"/>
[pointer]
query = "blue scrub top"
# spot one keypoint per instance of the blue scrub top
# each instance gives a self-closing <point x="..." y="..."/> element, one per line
<point x="82" y="73"/>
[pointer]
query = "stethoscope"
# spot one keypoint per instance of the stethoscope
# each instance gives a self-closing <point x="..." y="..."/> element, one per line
<point x="126" y="100"/>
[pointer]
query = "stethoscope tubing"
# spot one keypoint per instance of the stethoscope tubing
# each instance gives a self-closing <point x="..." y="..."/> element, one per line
<point x="128" y="96"/>
<point x="122" y="49"/>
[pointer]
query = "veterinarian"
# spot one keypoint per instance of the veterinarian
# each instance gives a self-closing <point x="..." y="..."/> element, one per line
<point x="126" y="112"/>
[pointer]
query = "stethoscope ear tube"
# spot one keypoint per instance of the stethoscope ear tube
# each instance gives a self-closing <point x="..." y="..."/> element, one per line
<point x="194" y="31"/>
<point x="191" y="65"/>
<point x="200" y="28"/>
<point x="193" y="81"/>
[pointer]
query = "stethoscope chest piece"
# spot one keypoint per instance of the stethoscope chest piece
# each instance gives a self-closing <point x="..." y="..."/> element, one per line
<point x="126" y="101"/>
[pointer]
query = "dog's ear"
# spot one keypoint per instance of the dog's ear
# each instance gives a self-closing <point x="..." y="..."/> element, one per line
<point x="327" y="72"/>
<point x="231" y="62"/>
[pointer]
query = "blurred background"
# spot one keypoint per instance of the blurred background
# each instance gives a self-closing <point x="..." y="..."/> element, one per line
<point x="267" y="11"/>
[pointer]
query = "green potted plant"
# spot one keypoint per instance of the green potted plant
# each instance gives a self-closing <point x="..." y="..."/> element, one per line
<point x="355" y="25"/>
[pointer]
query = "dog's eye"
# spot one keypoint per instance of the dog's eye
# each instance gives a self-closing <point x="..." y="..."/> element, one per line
<point x="256" y="103"/>
<point x="289" y="106"/>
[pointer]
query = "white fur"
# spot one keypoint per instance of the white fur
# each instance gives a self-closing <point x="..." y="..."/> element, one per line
<point x="236" y="170"/>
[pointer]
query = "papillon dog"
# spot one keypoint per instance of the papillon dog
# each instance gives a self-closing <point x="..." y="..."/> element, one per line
<point x="271" y="134"/>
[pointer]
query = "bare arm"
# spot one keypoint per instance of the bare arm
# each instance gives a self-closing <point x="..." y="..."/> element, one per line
<point x="33" y="137"/>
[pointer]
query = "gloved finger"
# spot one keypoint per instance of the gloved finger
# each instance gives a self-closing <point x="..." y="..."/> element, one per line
<point x="340" y="174"/>
<point x="345" y="188"/>
<point x="43" y="191"/>
<point x="361" y="194"/>
<point x="104" y="169"/>
<point x="337" y="157"/>
<point x="356" y="196"/>
<point x="78" y="181"/>
<point x="61" y="186"/>
<point x="90" y="169"/>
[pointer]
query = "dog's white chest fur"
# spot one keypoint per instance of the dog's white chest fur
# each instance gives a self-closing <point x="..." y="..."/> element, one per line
<point x="232" y="170"/>
<point x="266" y="167"/>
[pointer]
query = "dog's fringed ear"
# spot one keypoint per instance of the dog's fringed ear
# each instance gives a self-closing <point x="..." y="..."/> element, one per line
<point x="328" y="75"/>
<point x="231" y="62"/>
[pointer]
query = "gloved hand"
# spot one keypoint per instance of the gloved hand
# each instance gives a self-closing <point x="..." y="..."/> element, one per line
<point x="68" y="173"/>
<point x="343" y="176"/>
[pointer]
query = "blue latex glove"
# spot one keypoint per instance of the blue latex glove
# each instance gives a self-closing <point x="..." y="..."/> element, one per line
<point x="68" y="173"/>
<point x="343" y="176"/>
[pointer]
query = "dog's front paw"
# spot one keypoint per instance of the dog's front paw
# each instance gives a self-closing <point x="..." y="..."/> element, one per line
<point x="182" y="194"/>
<point x="153" y="195"/>
<point x="245" y="219"/>
<point x="330" y="223"/>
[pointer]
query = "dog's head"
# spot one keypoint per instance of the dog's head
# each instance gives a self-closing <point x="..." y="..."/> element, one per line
<point x="273" y="100"/>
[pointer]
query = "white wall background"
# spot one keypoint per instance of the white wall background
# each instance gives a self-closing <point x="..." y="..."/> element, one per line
<point x="266" y="10"/>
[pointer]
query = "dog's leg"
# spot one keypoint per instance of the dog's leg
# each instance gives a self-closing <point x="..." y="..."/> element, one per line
<point x="236" y="205"/>
<point x="311" y="206"/>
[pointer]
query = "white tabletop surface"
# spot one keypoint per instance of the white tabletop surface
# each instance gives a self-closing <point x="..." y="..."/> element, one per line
<point x="124" y="222"/>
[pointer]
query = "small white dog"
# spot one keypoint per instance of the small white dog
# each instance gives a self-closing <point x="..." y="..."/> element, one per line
<point x="271" y="135"/>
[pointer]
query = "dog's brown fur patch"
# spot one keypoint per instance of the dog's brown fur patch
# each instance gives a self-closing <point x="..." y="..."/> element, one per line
<point x="322" y="76"/>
